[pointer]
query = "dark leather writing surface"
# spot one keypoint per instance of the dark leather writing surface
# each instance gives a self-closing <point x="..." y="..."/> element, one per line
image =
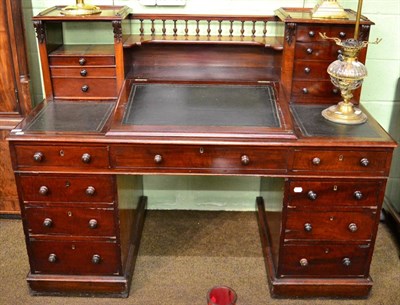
<point x="201" y="105"/>
<point x="72" y="117"/>
<point x="313" y="124"/>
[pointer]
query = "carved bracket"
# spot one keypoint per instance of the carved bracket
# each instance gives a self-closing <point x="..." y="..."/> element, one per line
<point x="364" y="32"/>
<point x="40" y="30"/>
<point x="117" y="26"/>
<point x="290" y="30"/>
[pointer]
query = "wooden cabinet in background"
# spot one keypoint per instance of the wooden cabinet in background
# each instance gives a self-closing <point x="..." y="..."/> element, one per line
<point x="15" y="99"/>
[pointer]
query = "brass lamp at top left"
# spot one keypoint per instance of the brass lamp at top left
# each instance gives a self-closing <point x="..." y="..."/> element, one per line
<point x="80" y="9"/>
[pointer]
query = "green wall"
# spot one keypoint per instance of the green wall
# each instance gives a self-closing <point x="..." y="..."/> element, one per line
<point x="380" y="95"/>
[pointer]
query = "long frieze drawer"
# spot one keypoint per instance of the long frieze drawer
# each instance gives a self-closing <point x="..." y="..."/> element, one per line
<point x="340" y="161"/>
<point x="209" y="158"/>
<point x="317" y="51"/>
<point x="306" y="70"/>
<point x="333" y="193"/>
<point x="330" y="225"/>
<point x="324" y="260"/>
<point x="82" y="72"/>
<point x="315" y="89"/>
<point x="70" y="221"/>
<point x="84" y="87"/>
<point x="310" y="33"/>
<point x="51" y="188"/>
<point x="74" y="257"/>
<point x="84" y="157"/>
<point x="81" y="60"/>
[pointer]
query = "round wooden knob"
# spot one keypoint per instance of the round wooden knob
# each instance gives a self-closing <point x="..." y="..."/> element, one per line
<point x="312" y="195"/>
<point x="346" y="261"/>
<point x="245" y="160"/>
<point x="304" y="90"/>
<point x="48" y="222"/>
<point x="307" y="70"/>
<point x="85" y="88"/>
<point x="90" y="191"/>
<point x="158" y="159"/>
<point x="52" y="258"/>
<point x="311" y="33"/>
<point x="309" y="51"/>
<point x="342" y="34"/>
<point x="308" y="227"/>
<point x="82" y="61"/>
<point x="316" y="161"/>
<point x="86" y="158"/>
<point x="353" y="227"/>
<point x="93" y="223"/>
<point x="83" y="72"/>
<point x="364" y="162"/>
<point x="38" y="156"/>
<point x="96" y="259"/>
<point x="335" y="91"/>
<point x="43" y="190"/>
<point x="303" y="262"/>
<point x="358" y="195"/>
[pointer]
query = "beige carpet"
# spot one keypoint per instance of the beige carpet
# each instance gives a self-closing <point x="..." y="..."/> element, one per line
<point x="184" y="253"/>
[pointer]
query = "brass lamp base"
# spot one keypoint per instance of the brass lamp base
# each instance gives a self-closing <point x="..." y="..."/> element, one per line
<point x="328" y="9"/>
<point x="344" y="113"/>
<point x="80" y="9"/>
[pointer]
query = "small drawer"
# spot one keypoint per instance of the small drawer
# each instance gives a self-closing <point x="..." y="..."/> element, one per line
<point x="51" y="188"/>
<point x="56" y="60"/>
<point x="317" y="51"/>
<point x="306" y="70"/>
<point x="85" y="87"/>
<point x="328" y="261"/>
<point x="339" y="161"/>
<point x="206" y="159"/>
<point x="70" y="221"/>
<point x="310" y="33"/>
<point x="305" y="193"/>
<point x="82" y="72"/>
<point x="315" y="89"/>
<point x="74" y="257"/>
<point x="330" y="225"/>
<point x="42" y="156"/>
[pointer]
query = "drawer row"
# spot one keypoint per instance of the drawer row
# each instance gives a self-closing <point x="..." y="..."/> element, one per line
<point x="207" y="158"/>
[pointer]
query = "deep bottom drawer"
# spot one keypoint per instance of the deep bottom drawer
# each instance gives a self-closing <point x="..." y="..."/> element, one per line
<point x="72" y="257"/>
<point x="324" y="260"/>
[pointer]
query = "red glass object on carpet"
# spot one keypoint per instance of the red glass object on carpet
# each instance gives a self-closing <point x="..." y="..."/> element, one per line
<point x="221" y="295"/>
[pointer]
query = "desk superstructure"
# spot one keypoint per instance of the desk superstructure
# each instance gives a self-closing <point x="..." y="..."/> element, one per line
<point x="196" y="101"/>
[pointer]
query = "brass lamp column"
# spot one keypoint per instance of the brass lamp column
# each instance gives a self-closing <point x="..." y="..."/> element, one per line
<point x="347" y="73"/>
<point x="80" y="9"/>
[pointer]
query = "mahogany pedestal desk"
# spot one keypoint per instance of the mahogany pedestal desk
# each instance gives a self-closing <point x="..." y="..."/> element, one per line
<point x="222" y="98"/>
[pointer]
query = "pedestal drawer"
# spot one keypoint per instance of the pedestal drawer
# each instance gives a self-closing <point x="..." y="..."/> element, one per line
<point x="330" y="225"/>
<point x="327" y="261"/>
<point x="85" y="87"/>
<point x="49" y="188"/>
<point x="82" y="72"/>
<point x="74" y="257"/>
<point x="40" y="156"/>
<point x="310" y="32"/>
<point x="333" y="193"/>
<point x="70" y="221"/>
<point x="81" y="60"/>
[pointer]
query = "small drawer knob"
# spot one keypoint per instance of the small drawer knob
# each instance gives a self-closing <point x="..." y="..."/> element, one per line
<point x="38" y="156"/>
<point x="307" y="70"/>
<point x="93" y="223"/>
<point x="342" y="34"/>
<point x="82" y="61"/>
<point x="312" y="195"/>
<point x="358" y="195"/>
<point x="364" y="162"/>
<point x="303" y="262"/>
<point x="158" y="159"/>
<point x="43" y="190"/>
<point x="316" y="161"/>
<point x="346" y="262"/>
<point x="304" y="90"/>
<point x="96" y="259"/>
<point x="311" y="33"/>
<point x="353" y="227"/>
<point x="48" y="222"/>
<point x="83" y="72"/>
<point x="86" y="158"/>
<point x="52" y="258"/>
<point x="90" y="191"/>
<point x="85" y="88"/>
<point x="309" y="51"/>
<point x="245" y="160"/>
<point x="335" y="90"/>
<point x="308" y="227"/>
